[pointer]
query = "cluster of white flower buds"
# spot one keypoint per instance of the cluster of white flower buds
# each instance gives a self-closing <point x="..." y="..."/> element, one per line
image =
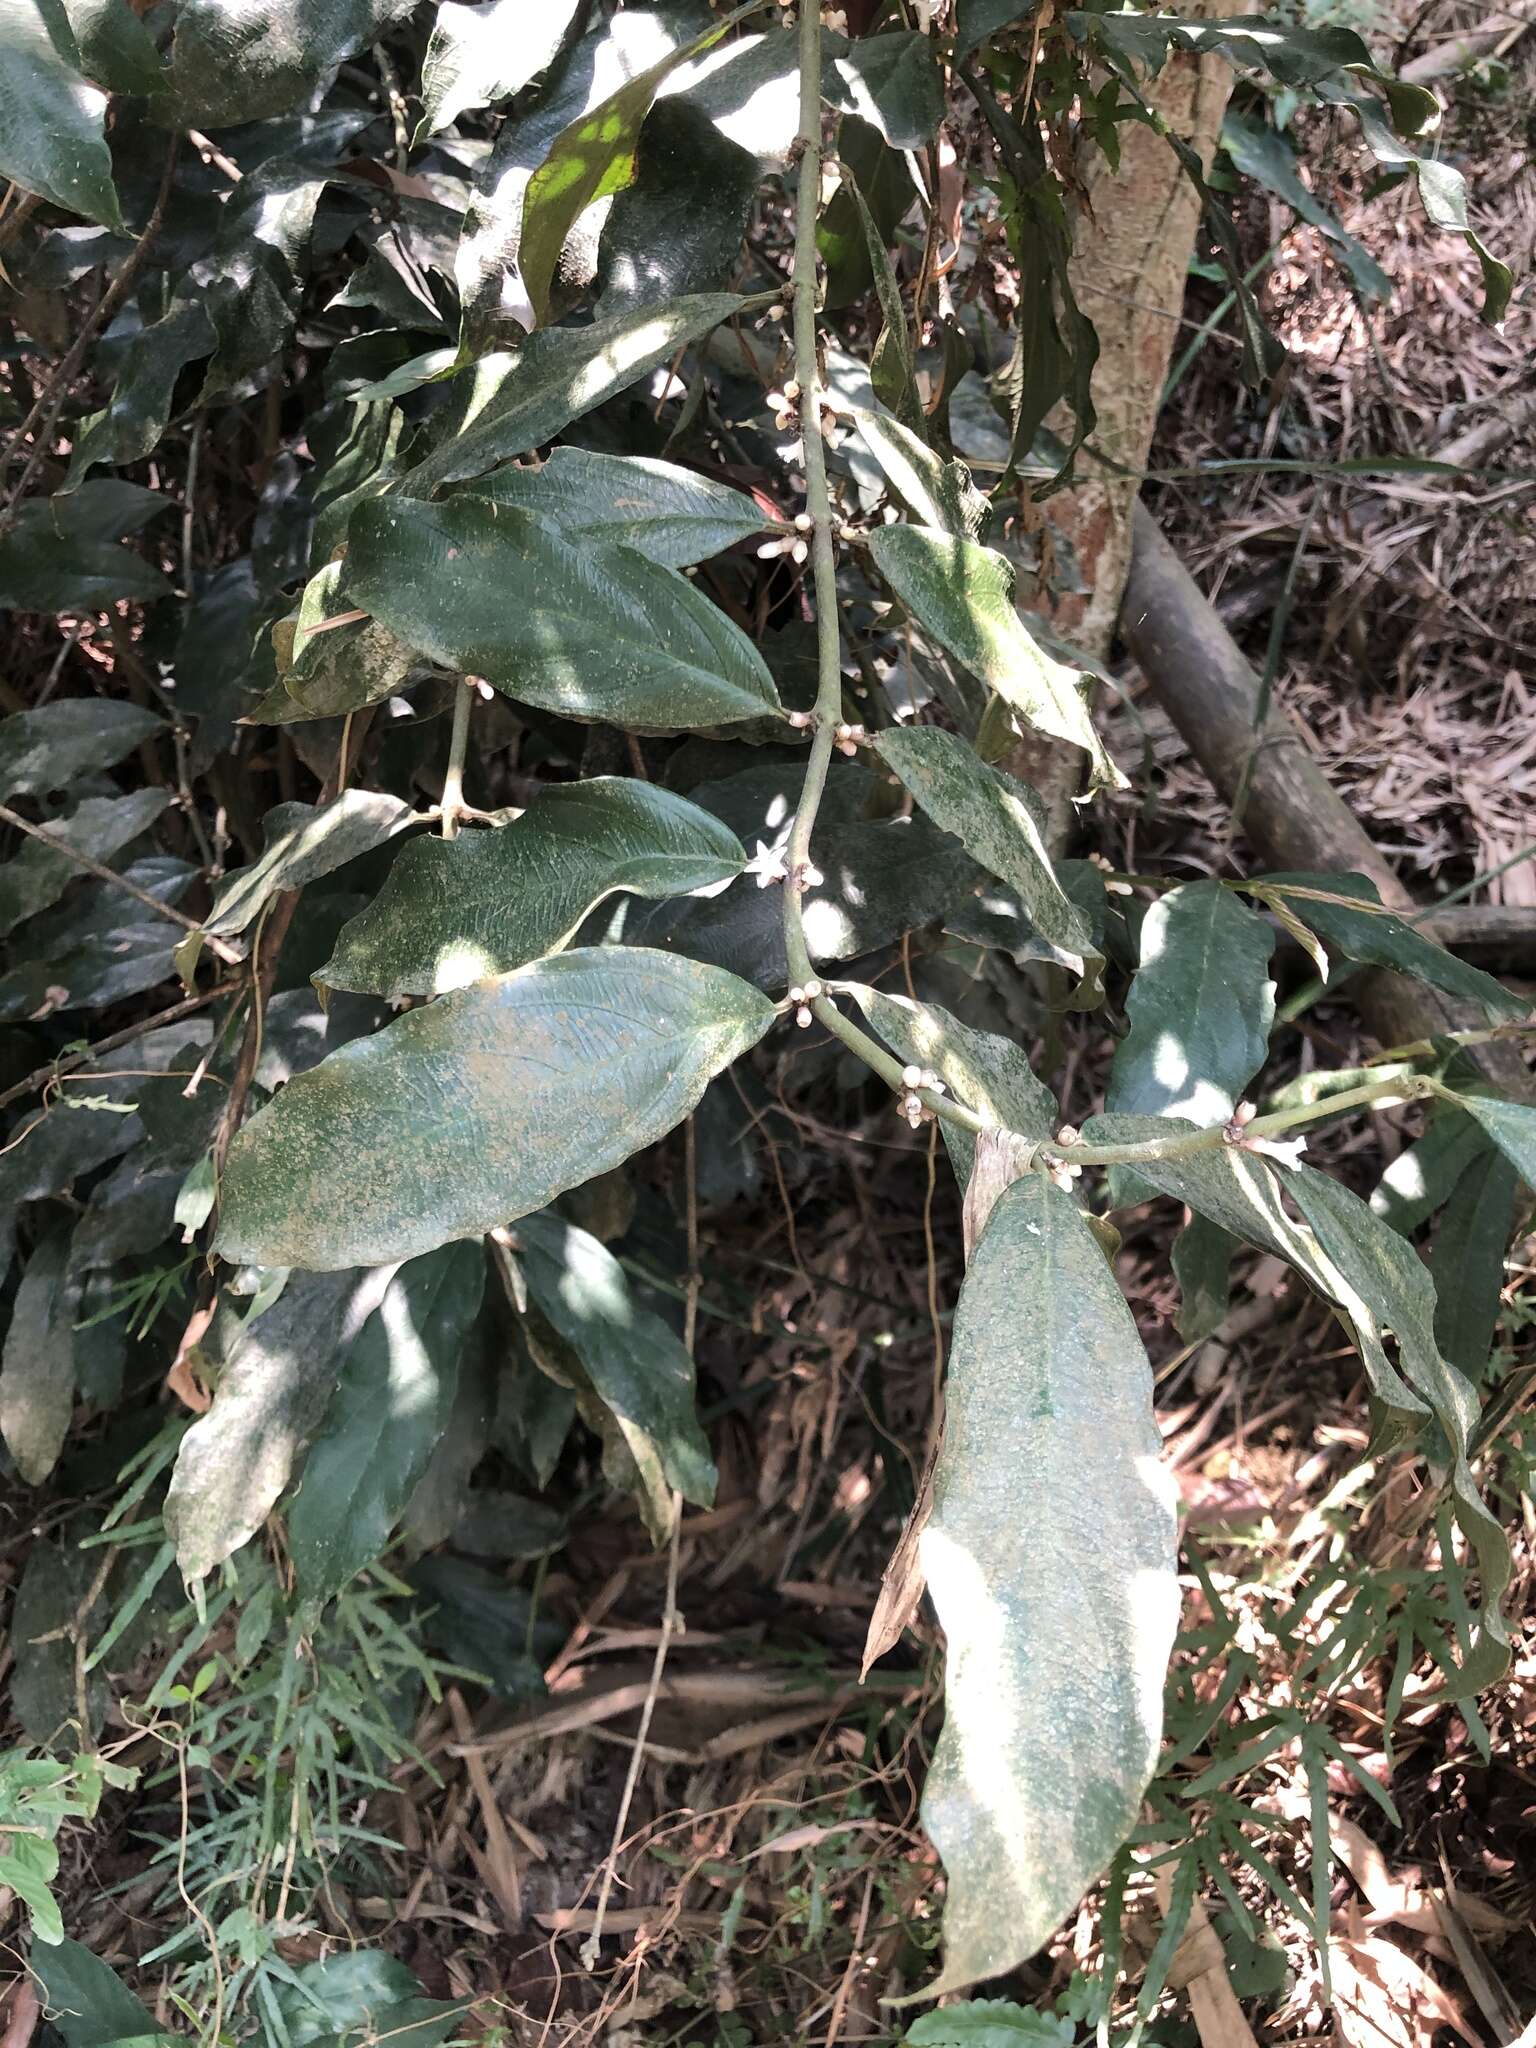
<point x="791" y="545"/>
<point x="802" y="720"/>
<point x="802" y="999"/>
<point x="1062" y="1172"/>
<point x="1113" y="886"/>
<point x="911" y="1104"/>
<point x="784" y="405"/>
<point x="1242" y="1117"/>
<point x="850" y="738"/>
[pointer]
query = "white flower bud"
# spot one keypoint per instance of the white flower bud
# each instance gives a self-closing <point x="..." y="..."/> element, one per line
<point x="912" y="1077"/>
<point x="812" y="991"/>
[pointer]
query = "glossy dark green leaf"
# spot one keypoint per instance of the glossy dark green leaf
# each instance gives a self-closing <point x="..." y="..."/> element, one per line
<point x="1423" y="1175"/>
<point x="1200" y="1007"/>
<point x="963" y="595"/>
<point x="890" y="81"/>
<point x="115" y="49"/>
<point x="100" y="827"/>
<point x="512" y="402"/>
<point x="302" y="842"/>
<point x="52" y="140"/>
<point x="46" y="749"/>
<point x="130" y="424"/>
<point x="884" y="179"/>
<point x="61" y="555"/>
<point x="481" y="1107"/>
<point x="1202" y="1265"/>
<point x="1000" y="822"/>
<point x="391" y="1404"/>
<point x="90" y="1122"/>
<point x="750" y="89"/>
<point x="588" y="631"/>
<point x="1467" y="1264"/>
<point x="1511" y="1126"/>
<point x="481" y="55"/>
<point x="1380" y="938"/>
<point x="240" y="60"/>
<point x="669" y="514"/>
<point x="977" y="21"/>
<point x="87" y="2001"/>
<point x="630" y="1361"/>
<point x="1051" y="1559"/>
<point x="678" y="226"/>
<point x="1263" y="154"/>
<point x="275" y="1374"/>
<point x="37" y="1370"/>
<point x="937" y="493"/>
<point x="357" y="1996"/>
<point x="454" y="911"/>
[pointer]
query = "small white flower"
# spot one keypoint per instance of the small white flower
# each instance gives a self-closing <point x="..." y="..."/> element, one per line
<point x="768" y="864"/>
<point x="1287" y="1150"/>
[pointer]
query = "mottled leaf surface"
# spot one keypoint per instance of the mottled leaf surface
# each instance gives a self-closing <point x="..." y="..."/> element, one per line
<point x="668" y="514"/>
<point x="47" y="748"/>
<point x="37" y="1370"/>
<point x="458" y="910"/>
<point x="240" y="60"/>
<point x="963" y="595"/>
<point x="1050" y="1556"/>
<point x="481" y="1107"/>
<point x="937" y="493"/>
<point x="302" y="843"/>
<point x="588" y="631"/>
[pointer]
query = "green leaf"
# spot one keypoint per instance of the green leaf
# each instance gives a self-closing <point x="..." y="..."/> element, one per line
<point x="889" y="81"/>
<point x="630" y="1361"/>
<point x="962" y="594"/>
<point x="1467" y="1264"/>
<point x="678" y="226"/>
<point x="87" y="2001"/>
<point x="129" y="426"/>
<point x="391" y="1404"/>
<point x="1263" y="154"/>
<point x="115" y="49"/>
<point x="989" y="2022"/>
<point x="241" y="60"/>
<point x="1510" y="1125"/>
<point x="454" y="911"/>
<point x="480" y="56"/>
<point x="1000" y="822"/>
<point x="977" y="21"/>
<point x="37" y="1372"/>
<point x="1202" y="1266"/>
<point x="940" y="494"/>
<point x="480" y="1623"/>
<point x="884" y="180"/>
<point x="325" y="670"/>
<point x="275" y="1373"/>
<point x="590" y="632"/>
<point x="1050" y="1556"/>
<point x="100" y="827"/>
<point x="358" y="1996"/>
<point x="481" y="1107"/>
<point x="302" y="842"/>
<point x="56" y="1581"/>
<point x="892" y="369"/>
<point x="52" y="140"/>
<point x="511" y="402"/>
<point x="46" y="749"/>
<point x="1423" y="1175"/>
<point x="1380" y="938"/>
<point x="30" y="1868"/>
<point x="987" y="1073"/>
<point x="1200" y="1007"/>
<point x="61" y="554"/>
<point x="590" y="160"/>
<point x="670" y="515"/>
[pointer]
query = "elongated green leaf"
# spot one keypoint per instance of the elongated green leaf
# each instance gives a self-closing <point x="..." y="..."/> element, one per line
<point x="938" y="493"/>
<point x="37" y="1371"/>
<point x="100" y="827"/>
<point x="46" y="749"/>
<point x="115" y="49"/>
<point x="976" y="21"/>
<point x="678" y="227"/>
<point x="479" y="56"/>
<point x="986" y="1073"/>
<point x="61" y="555"/>
<point x="240" y="60"/>
<point x="326" y="670"/>
<point x="670" y="515"/>
<point x="591" y="632"/>
<point x="1200" y="1007"/>
<point x="892" y="370"/>
<point x="510" y="403"/>
<point x="275" y="1375"/>
<point x="890" y="80"/>
<point x="481" y="1107"/>
<point x="1202" y="1265"/>
<point x="1379" y="938"/>
<point x="87" y="2001"/>
<point x="999" y="821"/>
<point x="51" y="121"/>
<point x="963" y="595"/>
<point x="455" y="911"/>
<point x="1467" y="1264"/>
<point x="590" y="160"/>
<point x="1511" y="1126"/>
<point x="1263" y="154"/>
<point x="1423" y="1176"/>
<point x="1050" y="1556"/>
<point x="391" y="1404"/>
<point x="631" y="1362"/>
<point x="304" y="842"/>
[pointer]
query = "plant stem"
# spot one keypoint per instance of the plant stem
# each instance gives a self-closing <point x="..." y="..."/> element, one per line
<point x="458" y="747"/>
<point x="1183" y="1144"/>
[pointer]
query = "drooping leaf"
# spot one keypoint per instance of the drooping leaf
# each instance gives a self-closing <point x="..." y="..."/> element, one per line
<point x="630" y="1361"/>
<point x="100" y="827"/>
<point x="1423" y="1175"/>
<point x="390" y="1406"/>
<point x="678" y="226"/>
<point x="1000" y="822"/>
<point x="1376" y="937"/>
<point x="939" y="494"/>
<point x="1262" y="153"/>
<point x="130" y="424"/>
<point x="670" y="515"/>
<point x="963" y="595"/>
<point x="481" y="55"/>
<point x="1511" y="1126"/>
<point x="589" y="631"/>
<point x="241" y="60"/>
<point x="275" y="1375"/>
<point x="1050" y="1556"/>
<point x="114" y="48"/>
<point x="455" y="911"/>
<point x="302" y="843"/>
<point x="510" y="403"/>
<point x="46" y="749"/>
<point x="892" y="368"/>
<point x="890" y="81"/>
<point x="1202" y="1265"/>
<point x="37" y="1371"/>
<point x="1467" y="1264"/>
<point x="1200" y="1007"/>
<point x="52" y="139"/>
<point x="481" y="1107"/>
<point x="87" y="2001"/>
<point x="61" y="554"/>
